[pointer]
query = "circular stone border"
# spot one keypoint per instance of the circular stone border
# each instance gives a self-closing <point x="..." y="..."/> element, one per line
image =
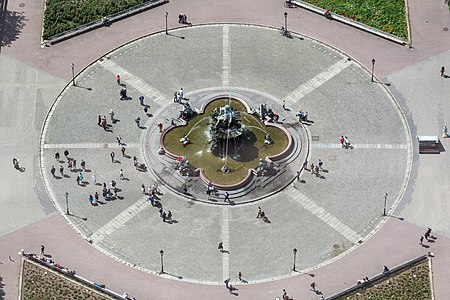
<point x="58" y="206"/>
<point x="252" y="188"/>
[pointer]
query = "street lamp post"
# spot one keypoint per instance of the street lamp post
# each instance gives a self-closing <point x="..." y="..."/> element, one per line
<point x="285" y="22"/>
<point x="373" y="67"/>
<point x="385" y="198"/>
<point x="295" y="256"/>
<point x="73" y="73"/>
<point x="166" y="14"/>
<point x="67" y="203"/>
<point x="162" y="261"/>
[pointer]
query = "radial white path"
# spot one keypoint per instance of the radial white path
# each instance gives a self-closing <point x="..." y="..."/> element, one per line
<point x="317" y="81"/>
<point x="90" y="146"/>
<point x="361" y="146"/>
<point x="225" y="57"/>
<point x="120" y="220"/>
<point x="226" y="241"/>
<point x="134" y="81"/>
<point x="325" y="216"/>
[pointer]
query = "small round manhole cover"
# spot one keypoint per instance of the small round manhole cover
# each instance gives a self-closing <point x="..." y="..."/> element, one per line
<point x="445" y="28"/>
<point x="336" y="246"/>
<point x="22" y="5"/>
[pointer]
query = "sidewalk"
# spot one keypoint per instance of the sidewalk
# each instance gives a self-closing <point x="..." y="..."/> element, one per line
<point x="395" y="243"/>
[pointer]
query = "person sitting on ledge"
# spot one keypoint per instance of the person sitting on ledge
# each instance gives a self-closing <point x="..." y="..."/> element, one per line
<point x="161" y="151"/>
<point x="327" y="14"/>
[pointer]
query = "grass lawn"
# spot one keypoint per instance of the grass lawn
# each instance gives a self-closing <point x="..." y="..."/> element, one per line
<point x="411" y="284"/>
<point x="41" y="283"/>
<point x="386" y="15"/>
<point x="62" y="15"/>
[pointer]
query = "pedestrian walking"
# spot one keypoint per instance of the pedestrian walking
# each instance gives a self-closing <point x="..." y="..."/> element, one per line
<point x="42" y="250"/>
<point x="78" y="180"/>
<point x="138" y="122"/>
<point x="342" y="140"/>
<point x="135" y="161"/>
<point x="53" y="170"/>
<point x="57" y="156"/>
<point x="143" y="189"/>
<point x="346" y="142"/>
<point x="240" y="276"/>
<point x="94" y="179"/>
<point x="220" y="247"/>
<point x="444" y="132"/>
<point x="160" y="127"/>
<point x="123" y="151"/>
<point x="61" y="170"/>
<point x="141" y="100"/>
<point x="121" y="174"/>
<point x="259" y="212"/>
<point x="96" y="195"/>
<point x="305" y="165"/>
<point x="111" y="115"/>
<point x="164" y="216"/>
<point x="66" y="153"/>
<point x="284" y="105"/>
<point x="320" y="164"/>
<point x="226" y="281"/>
<point x="312" y="168"/>
<point x="313" y="286"/>
<point x="317" y="170"/>
<point x="151" y="198"/>
<point x="428" y="233"/>
<point x="103" y="123"/>
<point x="112" y="154"/>
<point x="175" y="97"/>
<point x="116" y="190"/>
<point x="118" y="79"/>
<point x="83" y="165"/>
<point x="70" y="165"/>
<point x="91" y="199"/>
<point x="442" y="71"/>
<point x="184" y="189"/>
<point x="99" y="120"/>
<point x="181" y="93"/>
<point x="81" y="177"/>
<point x="161" y="211"/>
<point x="169" y="216"/>
<point x="74" y="163"/>
<point x="146" y="110"/>
<point x="421" y="240"/>
<point x="15" y="162"/>
<point x="119" y="140"/>
<point x="227" y="197"/>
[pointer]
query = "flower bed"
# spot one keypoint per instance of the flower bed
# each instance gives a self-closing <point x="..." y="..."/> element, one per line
<point x="63" y="15"/>
<point x="40" y="283"/>
<point x="414" y="283"/>
<point x="388" y="15"/>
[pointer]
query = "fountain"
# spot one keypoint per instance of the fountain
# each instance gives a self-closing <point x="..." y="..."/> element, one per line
<point x="227" y="142"/>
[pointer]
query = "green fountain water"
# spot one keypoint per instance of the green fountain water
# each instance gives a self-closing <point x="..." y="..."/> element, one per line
<point x="242" y="154"/>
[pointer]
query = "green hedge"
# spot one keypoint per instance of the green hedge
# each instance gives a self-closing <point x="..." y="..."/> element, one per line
<point x="386" y="15"/>
<point x="62" y="15"/>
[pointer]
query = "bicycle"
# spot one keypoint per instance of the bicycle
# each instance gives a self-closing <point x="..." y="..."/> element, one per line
<point x="285" y="32"/>
<point x="289" y="4"/>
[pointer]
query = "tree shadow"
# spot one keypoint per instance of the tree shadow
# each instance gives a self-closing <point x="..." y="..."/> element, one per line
<point x="11" y="25"/>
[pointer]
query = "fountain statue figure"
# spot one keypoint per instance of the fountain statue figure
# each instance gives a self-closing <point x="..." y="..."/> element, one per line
<point x="225" y="127"/>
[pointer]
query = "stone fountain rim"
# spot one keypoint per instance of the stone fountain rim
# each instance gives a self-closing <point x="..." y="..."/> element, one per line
<point x="252" y="171"/>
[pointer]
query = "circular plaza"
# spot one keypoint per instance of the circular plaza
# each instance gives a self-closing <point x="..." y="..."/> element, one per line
<point x="322" y="214"/>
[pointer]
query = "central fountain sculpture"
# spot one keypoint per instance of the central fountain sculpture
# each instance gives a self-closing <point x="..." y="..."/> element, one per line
<point x="227" y="143"/>
<point x="225" y="128"/>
